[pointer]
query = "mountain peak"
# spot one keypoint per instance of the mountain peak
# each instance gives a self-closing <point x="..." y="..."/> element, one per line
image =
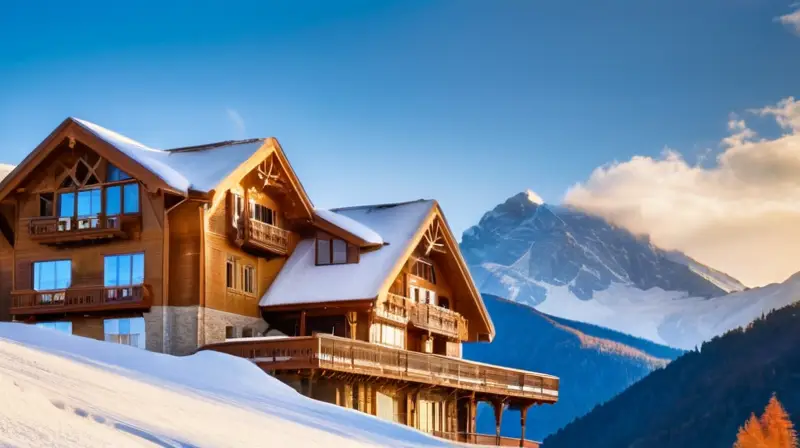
<point x="533" y="197"/>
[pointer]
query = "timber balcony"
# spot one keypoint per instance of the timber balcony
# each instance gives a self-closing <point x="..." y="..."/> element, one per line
<point x="424" y="316"/>
<point x="262" y="237"/>
<point x="81" y="299"/>
<point x="59" y="230"/>
<point x="336" y="354"/>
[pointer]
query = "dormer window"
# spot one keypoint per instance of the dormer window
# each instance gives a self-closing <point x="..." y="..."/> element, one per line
<point x="335" y="251"/>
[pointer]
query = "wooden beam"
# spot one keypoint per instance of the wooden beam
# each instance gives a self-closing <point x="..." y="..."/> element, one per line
<point x="303" y="323"/>
<point x="523" y="414"/>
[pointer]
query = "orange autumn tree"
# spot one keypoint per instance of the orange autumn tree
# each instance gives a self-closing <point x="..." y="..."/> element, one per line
<point x="773" y="430"/>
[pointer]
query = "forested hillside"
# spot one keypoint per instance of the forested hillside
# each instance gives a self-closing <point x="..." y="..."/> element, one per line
<point x="703" y="397"/>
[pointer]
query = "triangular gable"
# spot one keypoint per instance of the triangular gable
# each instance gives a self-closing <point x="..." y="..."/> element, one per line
<point x="301" y="283"/>
<point x="452" y="250"/>
<point x="73" y="129"/>
<point x="270" y="147"/>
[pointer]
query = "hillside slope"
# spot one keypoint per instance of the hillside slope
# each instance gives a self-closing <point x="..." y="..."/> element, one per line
<point x="68" y="391"/>
<point x="700" y="399"/>
<point x="530" y="340"/>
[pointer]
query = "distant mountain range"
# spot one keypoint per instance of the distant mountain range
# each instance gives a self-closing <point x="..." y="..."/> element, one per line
<point x="573" y="265"/>
<point x="594" y="363"/>
<point x="700" y="400"/>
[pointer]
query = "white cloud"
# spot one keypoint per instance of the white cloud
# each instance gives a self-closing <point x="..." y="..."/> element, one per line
<point x="741" y="215"/>
<point x="792" y="19"/>
<point x="238" y="122"/>
<point x="5" y="169"/>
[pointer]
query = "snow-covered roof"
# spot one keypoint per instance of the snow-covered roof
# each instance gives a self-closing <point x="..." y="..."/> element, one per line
<point x="199" y="168"/>
<point x="350" y="225"/>
<point x="302" y="281"/>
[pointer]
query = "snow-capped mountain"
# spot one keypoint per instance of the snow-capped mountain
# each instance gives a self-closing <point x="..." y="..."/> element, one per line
<point x="576" y="266"/>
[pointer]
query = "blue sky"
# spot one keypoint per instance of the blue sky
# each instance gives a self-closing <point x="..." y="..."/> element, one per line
<point x="465" y="101"/>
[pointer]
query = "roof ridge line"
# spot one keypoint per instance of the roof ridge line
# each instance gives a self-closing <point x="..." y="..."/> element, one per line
<point x="214" y="145"/>
<point x="385" y="205"/>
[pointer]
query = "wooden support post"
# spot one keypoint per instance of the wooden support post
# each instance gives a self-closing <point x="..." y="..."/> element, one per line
<point x="339" y="395"/>
<point x="410" y="409"/>
<point x="498" y="417"/>
<point x="352" y="321"/>
<point x="473" y="409"/>
<point x="523" y="414"/>
<point x="303" y="323"/>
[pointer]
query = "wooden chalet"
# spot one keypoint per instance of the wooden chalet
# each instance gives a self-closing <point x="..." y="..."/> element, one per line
<point x="218" y="247"/>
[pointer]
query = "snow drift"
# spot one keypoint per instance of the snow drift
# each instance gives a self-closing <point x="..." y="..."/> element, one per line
<point x="63" y="390"/>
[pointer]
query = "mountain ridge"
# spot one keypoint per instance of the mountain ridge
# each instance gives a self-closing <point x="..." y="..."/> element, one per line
<point x="573" y="265"/>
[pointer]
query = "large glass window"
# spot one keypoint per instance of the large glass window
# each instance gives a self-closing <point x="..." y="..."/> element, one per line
<point x="129" y="331"/>
<point x="123" y="270"/>
<point x="89" y="202"/>
<point x="64" y="327"/>
<point x="66" y="204"/>
<point x="335" y="251"/>
<point x="113" y="200"/>
<point x="130" y="194"/>
<point x="50" y="275"/>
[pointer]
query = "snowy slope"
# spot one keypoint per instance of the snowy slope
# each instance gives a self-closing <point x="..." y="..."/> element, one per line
<point x="71" y="391"/>
<point x="572" y="265"/>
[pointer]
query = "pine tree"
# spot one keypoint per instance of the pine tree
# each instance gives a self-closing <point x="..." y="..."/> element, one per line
<point x="777" y="427"/>
<point x="751" y="435"/>
<point x="773" y="430"/>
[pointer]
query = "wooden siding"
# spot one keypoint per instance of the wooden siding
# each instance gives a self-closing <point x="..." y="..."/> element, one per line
<point x="184" y="254"/>
<point x="219" y="247"/>
<point x="87" y="259"/>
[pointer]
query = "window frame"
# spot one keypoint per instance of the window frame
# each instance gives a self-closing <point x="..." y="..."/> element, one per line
<point x="131" y="255"/>
<point x="249" y="284"/>
<point x="349" y="249"/>
<point x="55" y="271"/>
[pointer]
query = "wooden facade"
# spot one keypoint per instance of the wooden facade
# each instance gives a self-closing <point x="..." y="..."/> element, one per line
<point x="95" y="241"/>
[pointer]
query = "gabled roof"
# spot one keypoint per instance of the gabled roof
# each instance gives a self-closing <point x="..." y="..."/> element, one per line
<point x="302" y="281"/>
<point x="197" y="168"/>
<point x="400" y="226"/>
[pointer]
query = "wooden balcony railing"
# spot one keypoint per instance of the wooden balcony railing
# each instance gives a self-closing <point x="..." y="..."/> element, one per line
<point x="80" y="299"/>
<point x="262" y="236"/>
<point x="54" y="230"/>
<point x="425" y="316"/>
<point x="323" y="351"/>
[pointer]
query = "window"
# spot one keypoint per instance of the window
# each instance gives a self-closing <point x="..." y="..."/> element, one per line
<point x="46" y="204"/>
<point x="335" y="251"/>
<point x="249" y="279"/>
<point x="52" y="275"/>
<point x="323" y="251"/>
<point x="387" y="335"/>
<point x="130" y="198"/>
<point x="89" y="202"/>
<point x="129" y="331"/>
<point x="339" y="252"/>
<point x="247" y="332"/>
<point x="230" y="273"/>
<point x="262" y="213"/>
<point x="123" y="270"/>
<point x="238" y="207"/>
<point x="113" y="200"/>
<point x="66" y="204"/>
<point x="64" y="327"/>
<point x="230" y="332"/>
<point x="115" y="174"/>
<point x="424" y="269"/>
